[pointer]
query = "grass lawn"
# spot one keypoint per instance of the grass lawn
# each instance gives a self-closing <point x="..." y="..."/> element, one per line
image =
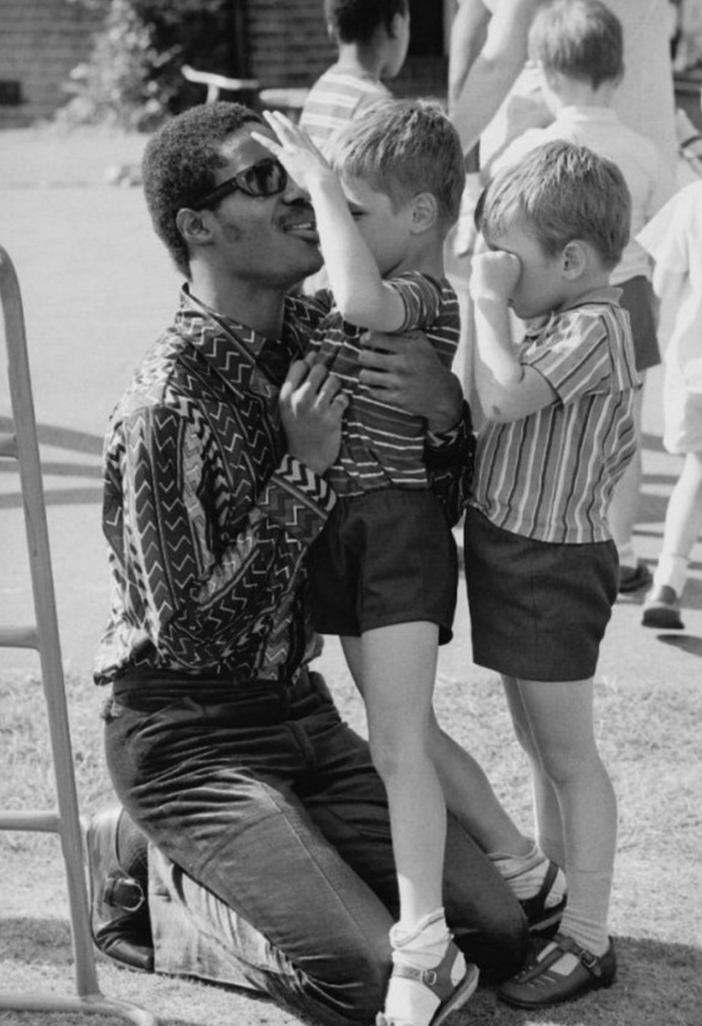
<point x="97" y="288"/>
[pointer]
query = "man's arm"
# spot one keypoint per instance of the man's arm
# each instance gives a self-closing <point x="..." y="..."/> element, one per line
<point x="210" y="578"/>
<point x="468" y="35"/>
<point x="492" y="73"/>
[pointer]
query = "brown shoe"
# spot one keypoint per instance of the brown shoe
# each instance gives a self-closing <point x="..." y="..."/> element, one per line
<point x="661" y="609"/>
<point x="537" y="986"/>
<point x="119" y="913"/>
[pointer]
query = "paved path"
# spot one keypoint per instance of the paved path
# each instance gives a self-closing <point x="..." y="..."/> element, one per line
<point x="97" y="290"/>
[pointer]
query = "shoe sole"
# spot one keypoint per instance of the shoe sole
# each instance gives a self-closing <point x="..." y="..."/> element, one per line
<point x="464" y="990"/>
<point x="663" y="620"/>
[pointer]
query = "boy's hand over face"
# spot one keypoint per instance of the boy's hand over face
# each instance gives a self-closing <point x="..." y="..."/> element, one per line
<point x="295" y="151"/>
<point x="494" y="275"/>
<point x="311" y="409"/>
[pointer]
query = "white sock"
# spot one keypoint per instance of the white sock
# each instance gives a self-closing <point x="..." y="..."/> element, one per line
<point x="671" y="571"/>
<point x="526" y="873"/>
<point x="423" y="947"/>
<point x="585" y="917"/>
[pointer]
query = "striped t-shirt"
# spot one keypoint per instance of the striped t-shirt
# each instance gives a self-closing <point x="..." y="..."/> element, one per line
<point x="549" y="476"/>
<point x="382" y="446"/>
<point x="334" y="100"/>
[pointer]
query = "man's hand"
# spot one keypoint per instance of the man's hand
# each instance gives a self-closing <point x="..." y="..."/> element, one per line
<point x="494" y="274"/>
<point x="408" y="373"/>
<point x="311" y="408"/>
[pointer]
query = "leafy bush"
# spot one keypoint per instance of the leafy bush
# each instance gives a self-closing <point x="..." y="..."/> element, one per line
<point x="132" y="79"/>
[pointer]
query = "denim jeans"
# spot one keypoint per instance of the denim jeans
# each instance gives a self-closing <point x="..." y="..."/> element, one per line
<point x="272" y="865"/>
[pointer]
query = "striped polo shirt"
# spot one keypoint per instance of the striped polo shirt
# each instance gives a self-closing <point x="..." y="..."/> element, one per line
<point x="335" y="99"/>
<point x="549" y="476"/>
<point x="382" y="446"/>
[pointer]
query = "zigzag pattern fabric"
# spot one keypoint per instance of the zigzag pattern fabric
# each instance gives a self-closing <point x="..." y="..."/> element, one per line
<point x="206" y="517"/>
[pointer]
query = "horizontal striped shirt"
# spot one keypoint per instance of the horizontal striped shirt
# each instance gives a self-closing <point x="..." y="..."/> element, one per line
<point x="382" y="446"/>
<point x="549" y="476"/>
<point x="335" y="99"/>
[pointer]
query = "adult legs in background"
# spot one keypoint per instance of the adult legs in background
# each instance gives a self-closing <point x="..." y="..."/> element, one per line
<point x="683" y="522"/>
<point x="623" y="512"/>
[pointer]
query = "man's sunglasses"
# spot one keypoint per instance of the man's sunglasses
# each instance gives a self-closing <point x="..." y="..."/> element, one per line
<point x="267" y="178"/>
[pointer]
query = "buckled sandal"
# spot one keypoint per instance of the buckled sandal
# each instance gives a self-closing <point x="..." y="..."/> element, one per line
<point x="537" y="985"/>
<point x="438" y="981"/>
<point x="543" y="920"/>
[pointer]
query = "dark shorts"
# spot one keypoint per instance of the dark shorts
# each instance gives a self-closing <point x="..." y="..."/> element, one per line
<point x="386" y="557"/>
<point x="538" y="610"/>
<point x="637" y="299"/>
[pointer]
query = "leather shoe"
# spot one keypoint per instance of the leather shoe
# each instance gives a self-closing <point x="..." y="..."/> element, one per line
<point x="538" y="986"/>
<point x="119" y="911"/>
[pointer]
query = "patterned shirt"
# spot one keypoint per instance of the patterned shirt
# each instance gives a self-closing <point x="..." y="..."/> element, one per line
<point x="549" y="476"/>
<point x="335" y="99"/>
<point x="206" y="517"/>
<point x="381" y="446"/>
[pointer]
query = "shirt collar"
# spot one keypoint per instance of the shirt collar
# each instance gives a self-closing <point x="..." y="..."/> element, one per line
<point x="607" y="115"/>
<point x="604" y="294"/>
<point x="242" y="356"/>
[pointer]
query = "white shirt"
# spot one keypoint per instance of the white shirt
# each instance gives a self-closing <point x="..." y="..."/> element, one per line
<point x="649" y="180"/>
<point x="674" y="240"/>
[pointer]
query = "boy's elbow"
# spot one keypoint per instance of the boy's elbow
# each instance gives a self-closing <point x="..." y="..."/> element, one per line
<point x="495" y="414"/>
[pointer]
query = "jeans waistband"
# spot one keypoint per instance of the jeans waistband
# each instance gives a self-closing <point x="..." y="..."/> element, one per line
<point x="248" y="704"/>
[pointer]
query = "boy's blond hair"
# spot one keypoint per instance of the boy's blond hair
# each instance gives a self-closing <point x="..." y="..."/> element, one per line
<point x="560" y="192"/>
<point x="580" y="39"/>
<point x="402" y="148"/>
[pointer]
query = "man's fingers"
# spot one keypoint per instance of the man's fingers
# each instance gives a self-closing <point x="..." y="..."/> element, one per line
<point x="297" y="372"/>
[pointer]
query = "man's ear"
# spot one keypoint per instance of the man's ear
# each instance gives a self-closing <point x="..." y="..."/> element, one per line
<point x="575" y="259"/>
<point x="194" y="226"/>
<point x="425" y="212"/>
<point x="395" y="25"/>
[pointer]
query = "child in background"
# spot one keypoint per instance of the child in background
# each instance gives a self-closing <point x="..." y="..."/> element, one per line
<point x="578" y="46"/>
<point x="383" y="573"/>
<point x="541" y="568"/>
<point x="372" y="37"/>
<point x="674" y="240"/>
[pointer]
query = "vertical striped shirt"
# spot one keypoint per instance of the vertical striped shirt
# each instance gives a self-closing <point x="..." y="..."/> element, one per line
<point x="335" y="99"/>
<point x="382" y="446"/>
<point x="549" y="476"/>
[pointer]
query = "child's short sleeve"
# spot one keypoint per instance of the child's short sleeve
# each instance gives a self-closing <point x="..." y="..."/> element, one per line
<point x="575" y="355"/>
<point x="422" y="296"/>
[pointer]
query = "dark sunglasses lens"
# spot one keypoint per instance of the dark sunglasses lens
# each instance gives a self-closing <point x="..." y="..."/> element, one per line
<point x="265" y="179"/>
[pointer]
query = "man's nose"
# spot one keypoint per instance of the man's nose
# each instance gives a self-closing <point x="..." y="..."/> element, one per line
<point x="294" y="192"/>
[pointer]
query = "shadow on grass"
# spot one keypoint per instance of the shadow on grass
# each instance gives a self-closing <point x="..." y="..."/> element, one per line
<point x="658" y="984"/>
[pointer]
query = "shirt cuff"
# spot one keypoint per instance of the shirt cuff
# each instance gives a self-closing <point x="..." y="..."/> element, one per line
<point x="298" y="499"/>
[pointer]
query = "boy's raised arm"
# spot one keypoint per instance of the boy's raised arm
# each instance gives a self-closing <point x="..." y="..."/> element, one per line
<point x="360" y="293"/>
<point x="507" y="389"/>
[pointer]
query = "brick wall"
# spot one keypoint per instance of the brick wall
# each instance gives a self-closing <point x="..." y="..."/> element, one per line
<point x="40" y="42"/>
<point x="288" y="42"/>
